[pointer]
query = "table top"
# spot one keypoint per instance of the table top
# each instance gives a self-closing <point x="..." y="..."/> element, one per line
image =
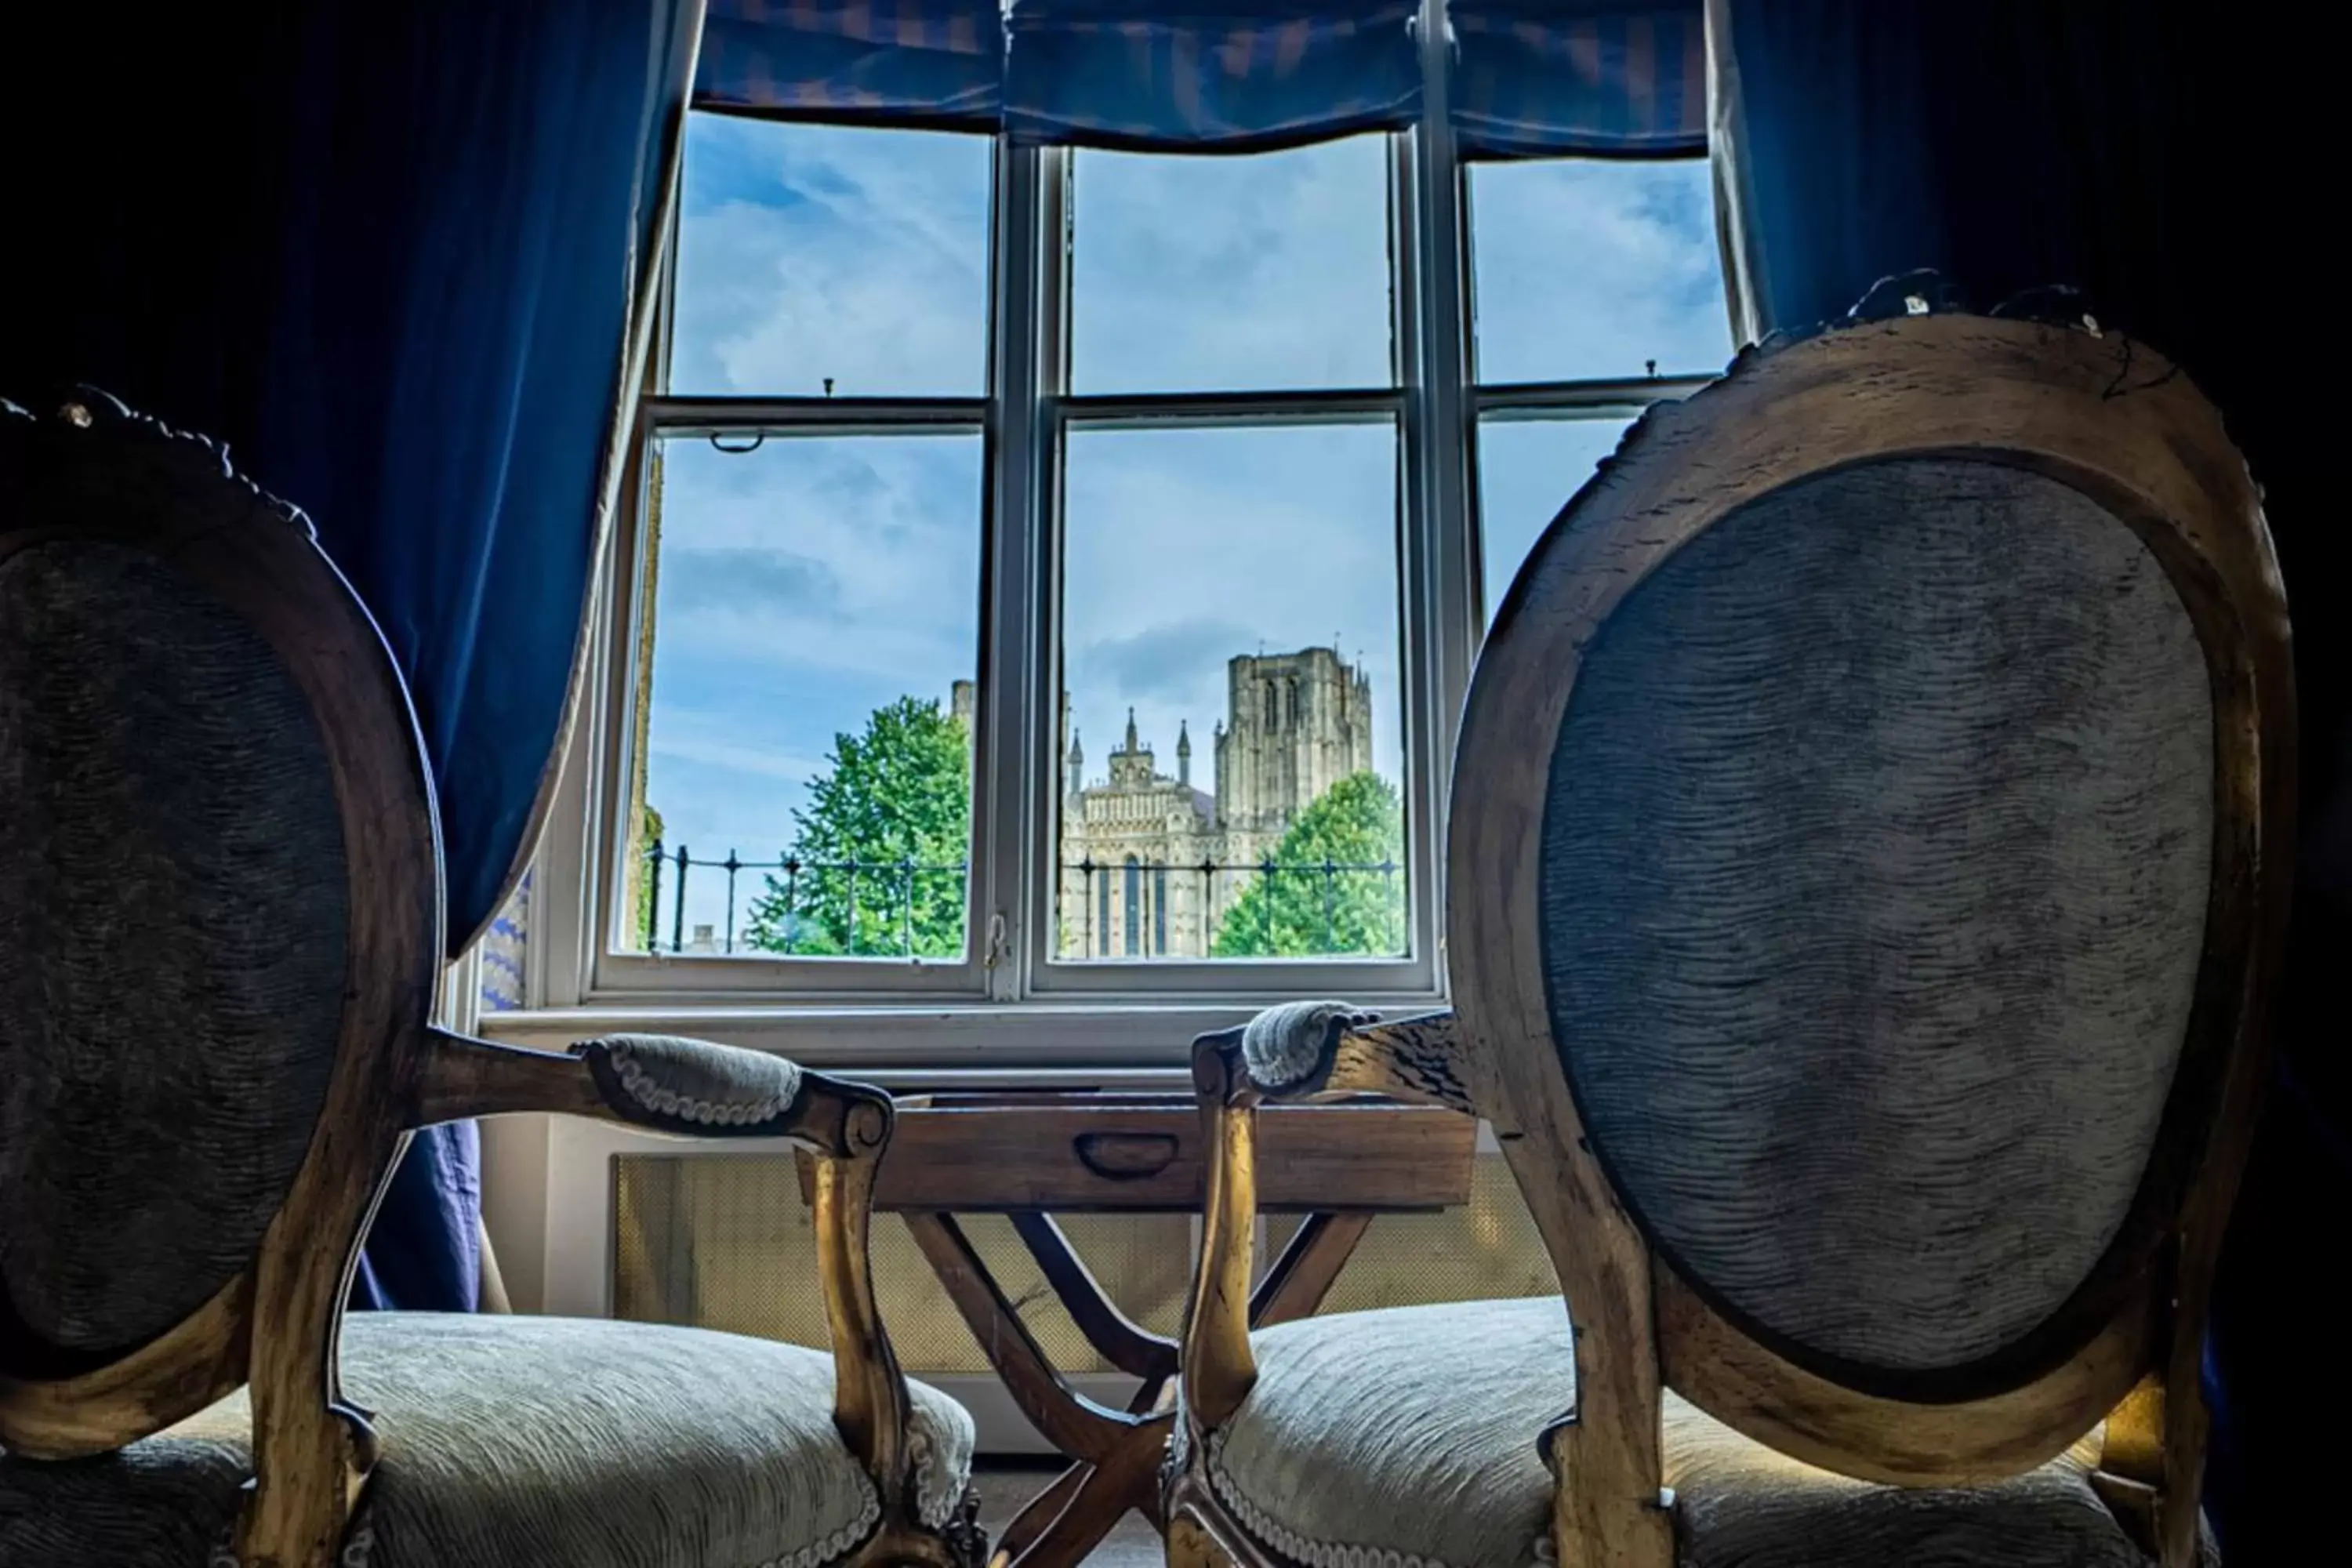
<point x="1077" y="1150"/>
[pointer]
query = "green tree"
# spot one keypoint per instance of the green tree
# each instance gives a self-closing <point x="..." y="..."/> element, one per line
<point x="641" y="873"/>
<point x="878" y="853"/>
<point x="1328" y="894"/>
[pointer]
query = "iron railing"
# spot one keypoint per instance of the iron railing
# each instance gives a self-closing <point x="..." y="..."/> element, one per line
<point x="895" y="884"/>
<point x="1326" y="874"/>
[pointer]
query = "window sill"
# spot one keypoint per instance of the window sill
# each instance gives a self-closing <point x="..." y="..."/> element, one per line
<point x="966" y="1043"/>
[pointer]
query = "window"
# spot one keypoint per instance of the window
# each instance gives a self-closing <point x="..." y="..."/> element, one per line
<point x="808" y="630"/>
<point x="1053" y="574"/>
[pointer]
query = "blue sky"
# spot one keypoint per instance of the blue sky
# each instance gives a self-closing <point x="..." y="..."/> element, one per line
<point x="806" y="583"/>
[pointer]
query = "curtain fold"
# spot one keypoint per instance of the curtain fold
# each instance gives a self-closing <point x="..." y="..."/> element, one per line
<point x="1209" y="75"/>
<point x="1537" y="77"/>
<point x="927" y="63"/>
<point x="2162" y="163"/>
<point x="391" y="257"/>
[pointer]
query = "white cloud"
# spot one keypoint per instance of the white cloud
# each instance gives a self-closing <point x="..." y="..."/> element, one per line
<point x="732" y="754"/>
<point x="812" y="252"/>
<point x="1585" y="270"/>
<point x="1221" y="274"/>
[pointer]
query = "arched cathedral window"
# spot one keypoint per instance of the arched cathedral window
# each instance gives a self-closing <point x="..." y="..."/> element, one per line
<point x="1134" y="908"/>
<point x="1102" y="915"/>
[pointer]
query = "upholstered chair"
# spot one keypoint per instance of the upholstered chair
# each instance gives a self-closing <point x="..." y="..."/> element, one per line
<point x="220" y="939"/>
<point x="1867" y="855"/>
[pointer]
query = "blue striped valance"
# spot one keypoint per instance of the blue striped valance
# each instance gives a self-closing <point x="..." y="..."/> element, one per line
<point x="1536" y="77"/>
<point x="896" y="62"/>
<point x="1209" y="74"/>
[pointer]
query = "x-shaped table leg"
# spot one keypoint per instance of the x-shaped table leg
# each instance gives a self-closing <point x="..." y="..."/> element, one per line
<point x="1115" y="1454"/>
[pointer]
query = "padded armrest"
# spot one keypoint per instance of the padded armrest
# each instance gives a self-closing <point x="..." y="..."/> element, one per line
<point x="694" y="1089"/>
<point x="681" y="1085"/>
<point x="1288" y="1047"/>
<point x="1303" y="1048"/>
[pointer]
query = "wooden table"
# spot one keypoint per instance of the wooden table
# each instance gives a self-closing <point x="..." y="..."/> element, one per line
<point x="1030" y="1155"/>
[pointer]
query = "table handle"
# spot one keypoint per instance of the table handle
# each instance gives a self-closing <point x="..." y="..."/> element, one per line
<point x="1125" y="1156"/>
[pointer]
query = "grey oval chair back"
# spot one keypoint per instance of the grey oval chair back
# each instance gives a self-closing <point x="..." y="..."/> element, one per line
<point x="187" y="884"/>
<point x="1874" y="875"/>
<point x="1865" y="868"/>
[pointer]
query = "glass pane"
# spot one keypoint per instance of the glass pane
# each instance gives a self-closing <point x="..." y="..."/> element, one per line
<point x="1236" y="273"/>
<point x="1589" y="270"/>
<point x="813" y="633"/>
<point x="811" y="255"/>
<point x="1233" y="593"/>
<point x="1527" y="471"/>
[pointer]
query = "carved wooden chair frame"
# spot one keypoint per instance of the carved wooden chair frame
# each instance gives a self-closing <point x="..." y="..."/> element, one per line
<point x="2118" y="423"/>
<point x="275" y="1325"/>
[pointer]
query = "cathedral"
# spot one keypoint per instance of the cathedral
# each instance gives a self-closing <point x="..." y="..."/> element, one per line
<point x="1150" y="863"/>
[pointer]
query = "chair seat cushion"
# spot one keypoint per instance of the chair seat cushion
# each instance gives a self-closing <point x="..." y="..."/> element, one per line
<point x="524" y="1442"/>
<point x="1406" y="1438"/>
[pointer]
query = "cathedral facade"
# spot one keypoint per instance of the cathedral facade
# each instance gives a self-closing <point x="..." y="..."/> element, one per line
<point x="1150" y="863"/>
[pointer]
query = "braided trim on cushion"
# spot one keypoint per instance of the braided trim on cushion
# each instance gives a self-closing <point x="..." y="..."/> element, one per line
<point x="842" y="1541"/>
<point x="1310" y="1553"/>
<point x="697" y="1081"/>
<point x="936" y="1491"/>
<point x="938" y="1488"/>
<point x="1285" y="1046"/>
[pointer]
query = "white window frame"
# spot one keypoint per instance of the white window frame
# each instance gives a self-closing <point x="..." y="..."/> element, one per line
<point x="1009" y="1000"/>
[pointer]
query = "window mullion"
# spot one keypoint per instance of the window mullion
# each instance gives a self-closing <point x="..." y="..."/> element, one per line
<point x="1016" y="671"/>
<point x="1440" y="305"/>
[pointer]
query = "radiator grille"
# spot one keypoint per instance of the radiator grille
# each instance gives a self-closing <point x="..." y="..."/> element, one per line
<point x="1488" y="1248"/>
<point x="724" y="1241"/>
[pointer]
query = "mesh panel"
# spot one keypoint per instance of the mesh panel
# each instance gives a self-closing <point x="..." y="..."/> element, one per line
<point x="726" y="1242"/>
<point x="1489" y="1248"/>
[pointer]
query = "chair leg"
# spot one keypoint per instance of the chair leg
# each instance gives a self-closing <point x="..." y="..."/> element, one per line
<point x="2179" y="1517"/>
<point x="1598" y="1519"/>
<point x="2151" y="1469"/>
<point x="967" y="1541"/>
<point x="313" y="1450"/>
<point x="1190" y="1546"/>
<point x="1194" y="1541"/>
<point x="309" y="1469"/>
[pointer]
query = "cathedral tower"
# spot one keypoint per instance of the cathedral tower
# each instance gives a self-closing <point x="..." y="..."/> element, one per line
<point x="1298" y="723"/>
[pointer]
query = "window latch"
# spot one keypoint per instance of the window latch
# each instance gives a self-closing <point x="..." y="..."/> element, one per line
<point x="995" y="953"/>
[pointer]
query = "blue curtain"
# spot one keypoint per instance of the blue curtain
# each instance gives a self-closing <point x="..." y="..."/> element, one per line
<point x="936" y="63"/>
<point x="388" y="254"/>
<point x="1209" y="75"/>
<point x="2160" y="159"/>
<point x="1537" y="78"/>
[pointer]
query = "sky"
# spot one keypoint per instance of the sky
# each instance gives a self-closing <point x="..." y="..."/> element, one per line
<point x="804" y="584"/>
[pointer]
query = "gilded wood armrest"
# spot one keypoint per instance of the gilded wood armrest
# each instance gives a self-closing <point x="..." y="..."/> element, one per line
<point x="1297" y="1051"/>
<point x="698" y="1089"/>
